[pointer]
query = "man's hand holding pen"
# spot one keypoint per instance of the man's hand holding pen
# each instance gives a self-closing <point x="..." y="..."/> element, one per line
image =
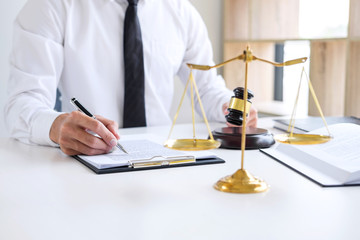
<point x="69" y="131"/>
<point x="80" y="132"/>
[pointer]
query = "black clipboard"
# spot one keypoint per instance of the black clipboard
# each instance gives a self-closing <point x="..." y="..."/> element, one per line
<point x="201" y="161"/>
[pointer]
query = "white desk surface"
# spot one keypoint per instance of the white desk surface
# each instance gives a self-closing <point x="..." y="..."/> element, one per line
<point x="47" y="195"/>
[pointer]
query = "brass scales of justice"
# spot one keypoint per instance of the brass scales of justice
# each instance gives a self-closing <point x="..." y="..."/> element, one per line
<point x="241" y="181"/>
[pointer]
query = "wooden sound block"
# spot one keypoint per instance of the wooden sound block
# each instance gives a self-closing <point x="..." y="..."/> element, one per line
<point x="230" y="137"/>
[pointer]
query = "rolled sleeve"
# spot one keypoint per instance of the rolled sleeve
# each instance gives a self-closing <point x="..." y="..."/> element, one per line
<point x="36" y="64"/>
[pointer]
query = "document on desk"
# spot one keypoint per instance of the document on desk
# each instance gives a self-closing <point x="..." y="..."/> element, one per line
<point x="143" y="153"/>
<point x="334" y="163"/>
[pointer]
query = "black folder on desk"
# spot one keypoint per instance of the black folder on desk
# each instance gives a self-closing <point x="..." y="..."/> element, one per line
<point x="335" y="163"/>
<point x="306" y="175"/>
<point x="304" y="125"/>
<point x="202" y="161"/>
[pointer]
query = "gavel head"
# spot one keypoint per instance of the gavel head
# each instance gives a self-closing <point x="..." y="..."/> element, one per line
<point x="236" y="106"/>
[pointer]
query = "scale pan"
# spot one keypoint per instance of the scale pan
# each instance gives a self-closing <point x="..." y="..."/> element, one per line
<point x="302" y="139"/>
<point x="191" y="144"/>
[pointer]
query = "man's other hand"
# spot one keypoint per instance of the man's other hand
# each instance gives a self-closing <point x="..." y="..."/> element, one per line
<point x="251" y="120"/>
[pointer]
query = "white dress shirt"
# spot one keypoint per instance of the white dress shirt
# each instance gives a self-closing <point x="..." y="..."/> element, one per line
<point x="77" y="46"/>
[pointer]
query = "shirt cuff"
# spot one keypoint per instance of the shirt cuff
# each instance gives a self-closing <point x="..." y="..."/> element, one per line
<point x="41" y="124"/>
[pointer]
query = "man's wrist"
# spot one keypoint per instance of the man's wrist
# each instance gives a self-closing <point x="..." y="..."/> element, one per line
<point x="40" y="127"/>
<point x="54" y="132"/>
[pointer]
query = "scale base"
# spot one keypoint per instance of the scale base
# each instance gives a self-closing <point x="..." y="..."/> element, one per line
<point x="241" y="182"/>
<point x="191" y="144"/>
<point x="230" y="137"/>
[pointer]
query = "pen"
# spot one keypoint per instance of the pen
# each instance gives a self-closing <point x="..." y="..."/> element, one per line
<point x="82" y="109"/>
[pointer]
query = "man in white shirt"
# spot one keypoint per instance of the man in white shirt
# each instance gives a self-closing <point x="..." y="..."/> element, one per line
<point x="77" y="46"/>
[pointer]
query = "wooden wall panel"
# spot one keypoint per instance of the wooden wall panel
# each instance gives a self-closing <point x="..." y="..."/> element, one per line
<point x="236" y="19"/>
<point x="274" y="19"/>
<point x="334" y="64"/>
<point x="354" y="18"/>
<point x="327" y="74"/>
<point x="261" y="19"/>
<point x="352" y="94"/>
<point x="260" y="76"/>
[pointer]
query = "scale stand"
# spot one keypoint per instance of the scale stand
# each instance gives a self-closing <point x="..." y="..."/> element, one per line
<point x="242" y="181"/>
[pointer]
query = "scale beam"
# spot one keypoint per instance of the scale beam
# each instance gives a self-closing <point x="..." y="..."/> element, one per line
<point x="247" y="57"/>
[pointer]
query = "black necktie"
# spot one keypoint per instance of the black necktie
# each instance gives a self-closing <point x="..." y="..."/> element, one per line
<point x="134" y="104"/>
